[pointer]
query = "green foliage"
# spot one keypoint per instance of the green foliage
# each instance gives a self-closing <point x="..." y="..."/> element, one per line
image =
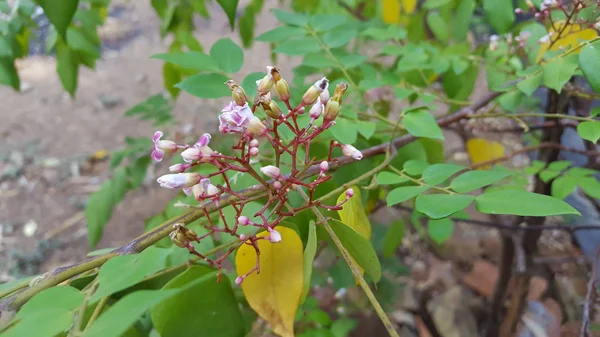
<point x="589" y="58"/>
<point x="393" y="238"/>
<point x="522" y="203"/>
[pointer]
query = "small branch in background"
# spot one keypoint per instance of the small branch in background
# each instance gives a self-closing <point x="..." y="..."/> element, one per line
<point x="591" y="286"/>
<point x="505" y="273"/>
<point x="356" y="12"/>
<point x="424" y="297"/>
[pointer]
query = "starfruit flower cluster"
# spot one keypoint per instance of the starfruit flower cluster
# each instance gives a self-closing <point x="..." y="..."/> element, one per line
<point x="239" y="119"/>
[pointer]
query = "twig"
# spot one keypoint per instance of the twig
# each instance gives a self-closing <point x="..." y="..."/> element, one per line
<point x="72" y="221"/>
<point x="505" y="273"/>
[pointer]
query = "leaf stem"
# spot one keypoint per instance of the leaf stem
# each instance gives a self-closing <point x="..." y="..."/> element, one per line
<point x="355" y="269"/>
<point x="96" y="312"/>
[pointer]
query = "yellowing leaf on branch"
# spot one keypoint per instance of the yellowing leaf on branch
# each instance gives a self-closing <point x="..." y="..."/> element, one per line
<point x="563" y="37"/>
<point x="482" y="150"/>
<point x="408" y="6"/>
<point x="353" y="214"/>
<point x="275" y="292"/>
<point x="391" y="11"/>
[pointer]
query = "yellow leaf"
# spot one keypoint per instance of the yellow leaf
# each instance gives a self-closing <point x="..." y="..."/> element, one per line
<point x="100" y="155"/>
<point x="409" y="6"/>
<point x="570" y="37"/>
<point x="391" y="11"/>
<point x="274" y="293"/>
<point x="353" y="214"/>
<point x="481" y="150"/>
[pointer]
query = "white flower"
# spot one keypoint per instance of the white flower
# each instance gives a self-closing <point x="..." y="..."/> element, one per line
<point x="179" y="180"/>
<point x="271" y="171"/>
<point x="350" y="151"/>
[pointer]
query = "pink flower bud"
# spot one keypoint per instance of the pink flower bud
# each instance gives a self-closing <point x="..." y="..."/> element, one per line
<point x="271" y="171"/>
<point x="301" y="111"/>
<point x="254" y="143"/>
<point x="256" y="127"/>
<point x="315" y="110"/>
<point x="177" y="168"/>
<point x="349" y="193"/>
<point x="313" y="93"/>
<point x="324" y="166"/>
<point x="350" y="151"/>
<point x="161" y="146"/>
<point x="324" y="97"/>
<point x="274" y="235"/>
<point x="239" y="280"/>
<point x="242" y="237"/>
<point x="243" y="220"/>
<point x="179" y="180"/>
<point x="253" y="151"/>
<point x="277" y="185"/>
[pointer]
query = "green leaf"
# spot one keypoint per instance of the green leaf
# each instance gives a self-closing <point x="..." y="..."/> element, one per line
<point x="595" y="112"/>
<point x="318" y="60"/>
<point x="345" y="131"/>
<point x="366" y="129"/>
<point x="281" y="34"/>
<point x="229" y="56"/>
<point x="79" y="42"/>
<point x="421" y="123"/>
<point x="249" y="83"/>
<point x="438" y="26"/>
<point x="43" y="324"/>
<point x="5" y="288"/>
<point x="473" y="180"/>
<point x="415" y="167"/>
<point x="591" y="187"/>
<point x="309" y="257"/>
<point x="326" y="22"/>
<point x="123" y="314"/>
<point x="137" y="171"/>
<point x="59" y="13"/>
<point x="8" y="73"/>
<point x="439" y="173"/>
<point x="389" y="178"/>
<point x="559" y="165"/>
<point x="98" y="211"/>
<point x="294" y="19"/>
<point x="589" y="130"/>
<point x="530" y="83"/>
<point x="60" y="297"/>
<point x="500" y="14"/>
<point x="230" y="8"/>
<point x="558" y="72"/>
<point x="589" y="61"/>
<point x="205" y="85"/>
<point x="359" y="248"/>
<point x="431" y="4"/>
<point x="171" y="76"/>
<point x="193" y="60"/>
<point x="521" y="203"/>
<point x="563" y="186"/>
<point x="440" y="230"/>
<point x="462" y="20"/>
<point x="124" y="271"/>
<point x="299" y="46"/>
<point x="393" y="238"/>
<point x="437" y="206"/>
<point x="402" y="194"/>
<point x="340" y="36"/>
<point x="202" y="307"/>
<point x="67" y="67"/>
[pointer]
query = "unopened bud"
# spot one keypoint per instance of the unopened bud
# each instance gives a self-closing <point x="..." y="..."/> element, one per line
<point x="239" y="280"/>
<point x="256" y="127"/>
<point x="349" y="193"/>
<point x="274" y="71"/>
<point x="350" y="151"/>
<point x="254" y="143"/>
<point x="274" y="110"/>
<point x="277" y="185"/>
<point x="265" y="85"/>
<point x="312" y="94"/>
<point x="271" y="171"/>
<point x="332" y="109"/>
<point x="179" y="239"/>
<point x="177" y="168"/>
<point x="243" y="220"/>
<point x="253" y="151"/>
<point x="315" y="110"/>
<point x="324" y="166"/>
<point x="324" y="97"/>
<point x="242" y="237"/>
<point x="283" y="90"/>
<point x="179" y="180"/>
<point x="274" y="236"/>
<point x="301" y="111"/>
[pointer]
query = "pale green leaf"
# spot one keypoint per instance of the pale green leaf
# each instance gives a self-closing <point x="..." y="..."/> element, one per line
<point x="281" y="34"/>
<point x="589" y="130"/>
<point x="437" y="206"/>
<point x="299" y="46"/>
<point x="229" y="56"/>
<point x="589" y="61"/>
<point x="421" y="123"/>
<point x="439" y="173"/>
<point x="205" y="85"/>
<point x="389" y="178"/>
<point x="440" y="230"/>
<point x="473" y="180"/>
<point x="402" y="194"/>
<point x="309" y="257"/>
<point x="523" y="203"/>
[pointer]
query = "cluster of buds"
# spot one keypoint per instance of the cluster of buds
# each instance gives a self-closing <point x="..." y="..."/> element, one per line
<point x="513" y="43"/>
<point x="240" y="118"/>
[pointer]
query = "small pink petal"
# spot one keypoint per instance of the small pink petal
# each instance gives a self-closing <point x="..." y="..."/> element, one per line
<point x="204" y="140"/>
<point x="158" y="154"/>
<point x="157" y="136"/>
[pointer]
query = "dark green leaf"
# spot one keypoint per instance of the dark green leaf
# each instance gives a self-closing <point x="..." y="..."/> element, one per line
<point x="462" y="20"/>
<point x="229" y="56"/>
<point x="299" y="46"/>
<point x="230" y="8"/>
<point x="421" y="123"/>
<point x="8" y="73"/>
<point x="589" y="131"/>
<point x="205" y="85"/>
<point x="137" y="171"/>
<point x="359" y="248"/>
<point x="558" y="72"/>
<point x="60" y="13"/>
<point x="440" y="230"/>
<point x="67" y="67"/>
<point x="402" y="194"/>
<point x="389" y="178"/>
<point x="124" y="271"/>
<point x="473" y="180"/>
<point x="437" y="174"/>
<point x="204" y="308"/>
<point x="281" y="34"/>
<point x="437" y="206"/>
<point x="171" y="76"/>
<point x="438" y="26"/>
<point x="77" y="40"/>
<point x="523" y="203"/>
<point x="500" y="14"/>
<point x="194" y="60"/>
<point x="393" y="238"/>
<point x="589" y="61"/>
<point x="123" y="314"/>
<point x="294" y="19"/>
<point x="98" y="211"/>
